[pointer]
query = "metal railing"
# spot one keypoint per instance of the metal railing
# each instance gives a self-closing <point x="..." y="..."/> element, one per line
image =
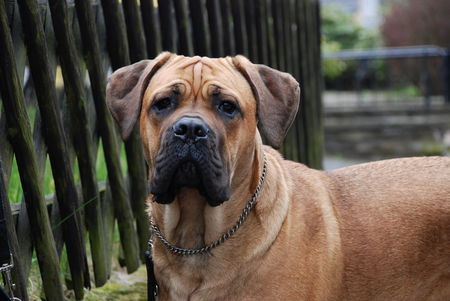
<point x="364" y="57"/>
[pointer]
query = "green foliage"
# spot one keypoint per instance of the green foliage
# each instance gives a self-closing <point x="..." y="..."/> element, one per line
<point x="332" y="68"/>
<point x="339" y="26"/>
<point x="407" y="90"/>
<point x="340" y="31"/>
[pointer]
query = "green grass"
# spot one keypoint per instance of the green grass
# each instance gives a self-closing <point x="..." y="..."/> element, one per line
<point x="15" y="192"/>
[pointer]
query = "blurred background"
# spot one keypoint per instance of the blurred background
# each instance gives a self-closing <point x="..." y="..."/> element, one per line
<point x="386" y="79"/>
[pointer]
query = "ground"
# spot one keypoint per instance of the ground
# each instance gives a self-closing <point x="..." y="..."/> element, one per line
<point x="122" y="287"/>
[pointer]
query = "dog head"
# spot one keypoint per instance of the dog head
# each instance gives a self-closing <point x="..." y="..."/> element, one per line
<point x="199" y="118"/>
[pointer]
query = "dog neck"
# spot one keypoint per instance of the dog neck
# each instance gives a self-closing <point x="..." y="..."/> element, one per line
<point x="189" y="222"/>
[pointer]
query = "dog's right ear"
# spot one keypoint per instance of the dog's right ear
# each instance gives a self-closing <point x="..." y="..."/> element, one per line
<point x="126" y="87"/>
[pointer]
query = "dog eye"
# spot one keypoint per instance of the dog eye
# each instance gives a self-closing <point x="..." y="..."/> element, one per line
<point x="227" y="107"/>
<point x="162" y="104"/>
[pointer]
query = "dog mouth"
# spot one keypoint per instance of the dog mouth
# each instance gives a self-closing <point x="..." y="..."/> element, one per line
<point x="198" y="166"/>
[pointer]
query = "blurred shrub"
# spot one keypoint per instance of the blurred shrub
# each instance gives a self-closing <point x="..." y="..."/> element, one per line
<point x="418" y="22"/>
<point x="340" y="31"/>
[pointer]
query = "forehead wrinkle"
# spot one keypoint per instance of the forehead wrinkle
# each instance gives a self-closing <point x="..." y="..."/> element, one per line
<point x="197" y="77"/>
<point x="182" y="62"/>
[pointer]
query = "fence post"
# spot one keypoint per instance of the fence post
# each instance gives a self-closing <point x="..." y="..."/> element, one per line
<point x="261" y="31"/>
<point x="119" y="54"/>
<point x="19" y="132"/>
<point x="135" y="31"/>
<point x="152" y="30"/>
<point x="250" y="26"/>
<point x="82" y="135"/>
<point x="200" y="29"/>
<point x="309" y="119"/>
<point x="216" y="28"/>
<point x="135" y="154"/>
<point x="228" y="28"/>
<point x="167" y="19"/>
<point x="185" y="43"/>
<point x="240" y="34"/>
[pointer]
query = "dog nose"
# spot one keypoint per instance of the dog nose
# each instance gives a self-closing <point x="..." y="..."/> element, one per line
<point x="190" y="129"/>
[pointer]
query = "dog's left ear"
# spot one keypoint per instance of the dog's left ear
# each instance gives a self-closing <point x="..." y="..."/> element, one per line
<point x="126" y="87"/>
<point x="278" y="96"/>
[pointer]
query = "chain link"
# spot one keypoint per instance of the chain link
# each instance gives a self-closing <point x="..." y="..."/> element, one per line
<point x="224" y="237"/>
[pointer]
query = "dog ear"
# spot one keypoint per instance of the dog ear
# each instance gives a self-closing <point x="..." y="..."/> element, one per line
<point x="126" y="87"/>
<point x="278" y="96"/>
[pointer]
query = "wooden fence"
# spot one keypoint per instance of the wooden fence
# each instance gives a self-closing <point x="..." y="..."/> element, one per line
<point x="86" y="40"/>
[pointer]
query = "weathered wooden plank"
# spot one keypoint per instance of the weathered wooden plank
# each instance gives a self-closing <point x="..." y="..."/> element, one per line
<point x="118" y="53"/>
<point x="168" y="31"/>
<point x="150" y="19"/>
<point x="56" y="142"/>
<point x="310" y="125"/>
<point x="294" y="39"/>
<point x="109" y="222"/>
<point x="250" y="18"/>
<point x="55" y="218"/>
<point x="216" y="28"/>
<point x="300" y="120"/>
<point x="19" y="133"/>
<point x="261" y="31"/>
<point x="17" y="38"/>
<point x="240" y="34"/>
<point x="312" y="56"/>
<point x="308" y="120"/>
<point x="23" y="236"/>
<point x="287" y="34"/>
<point x="18" y="273"/>
<point x="295" y="72"/>
<point x="284" y="6"/>
<point x="228" y="28"/>
<point x="135" y="32"/>
<point x="23" y="224"/>
<point x="138" y="188"/>
<point x="6" y="151"/>
<point x="81" y="133"/>
<point x="200" y="29"/>
<point x="272" y="53"/>
<point x="113" y="16"/>
<point x="317" y="69"/>
<point x="278" y="34"/>
<point x="135" y="161"/>
<point x="133" y="146"/>
<point x="185" y="45"/>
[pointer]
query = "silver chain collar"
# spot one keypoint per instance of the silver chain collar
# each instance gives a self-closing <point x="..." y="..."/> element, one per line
<point x="181" y="251"/>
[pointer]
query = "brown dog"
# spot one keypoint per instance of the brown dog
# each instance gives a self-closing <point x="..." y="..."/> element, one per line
<point x="377" y="231"/>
